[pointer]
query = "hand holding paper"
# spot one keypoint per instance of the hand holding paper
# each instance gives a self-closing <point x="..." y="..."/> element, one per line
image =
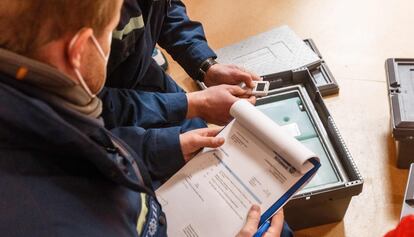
<point x="213" y="104"/>
<point x="258" y="164"/>
<point x="192" y="141"/>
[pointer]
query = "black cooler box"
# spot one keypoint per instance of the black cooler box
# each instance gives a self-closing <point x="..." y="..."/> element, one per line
<point x="296" y="104"/>
<point x="400" y="76"/>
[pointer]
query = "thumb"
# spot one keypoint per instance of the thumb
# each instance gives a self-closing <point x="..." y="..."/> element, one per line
<point x="236" y="90"/>
<point x="247" y="79"/>
<point x="209" y="131"/>
<point x="205" y="141"/>
<point x="252" y="222"/>
<point x="253" y="217"/>
<point x="247" y="76"/>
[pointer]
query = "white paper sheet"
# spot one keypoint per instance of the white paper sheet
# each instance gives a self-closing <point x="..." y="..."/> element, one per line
<point x="211" y="195"/>
<point x="273" y="135"/>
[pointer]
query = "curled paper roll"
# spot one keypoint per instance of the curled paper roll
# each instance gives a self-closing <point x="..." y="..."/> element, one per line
<point x="286" y="146"/>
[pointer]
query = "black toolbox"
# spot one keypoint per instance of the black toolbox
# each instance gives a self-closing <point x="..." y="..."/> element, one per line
<point x="323" y="203"/>
<point x="400" y="77"/>
<point x="319" y="204"/>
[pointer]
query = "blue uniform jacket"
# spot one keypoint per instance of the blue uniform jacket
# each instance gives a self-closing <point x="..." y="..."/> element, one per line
<point x="138" y="92"/>
<point x="63" y="174"/>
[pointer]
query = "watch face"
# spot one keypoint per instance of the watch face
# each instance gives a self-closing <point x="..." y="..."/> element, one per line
<point x="207" y="64"/>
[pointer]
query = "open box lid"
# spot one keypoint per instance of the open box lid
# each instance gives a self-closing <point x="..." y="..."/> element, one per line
<point x="321" y="76"/>
<point x="400" y="76"/>
<point x="319" y="71"/>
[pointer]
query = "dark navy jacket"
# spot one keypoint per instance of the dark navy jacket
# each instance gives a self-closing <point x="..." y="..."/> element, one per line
<point x="138" y="92"/>
<point x="64" y="174"/>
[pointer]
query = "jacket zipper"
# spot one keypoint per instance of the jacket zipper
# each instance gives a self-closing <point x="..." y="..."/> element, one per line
<point x="126" y="154"/>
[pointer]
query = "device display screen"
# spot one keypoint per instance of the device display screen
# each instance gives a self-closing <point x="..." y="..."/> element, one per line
<point x="260" y="86"/>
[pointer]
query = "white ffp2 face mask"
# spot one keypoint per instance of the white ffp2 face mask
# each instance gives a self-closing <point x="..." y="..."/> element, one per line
<point x="104" y="57"/>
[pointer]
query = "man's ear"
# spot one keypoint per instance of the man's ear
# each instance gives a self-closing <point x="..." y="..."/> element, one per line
<point x="77" y="46"/>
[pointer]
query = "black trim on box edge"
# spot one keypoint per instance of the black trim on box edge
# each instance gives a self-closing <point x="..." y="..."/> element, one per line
<point x="402" y="130"/>
<point x="297" y="77"/>
<point x="337" y="196"/>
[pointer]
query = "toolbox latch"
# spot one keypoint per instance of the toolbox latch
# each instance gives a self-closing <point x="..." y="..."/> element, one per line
<point x="394" y="91"/>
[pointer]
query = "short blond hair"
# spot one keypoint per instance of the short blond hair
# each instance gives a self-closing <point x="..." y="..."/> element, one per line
<point x="25" y="25"/>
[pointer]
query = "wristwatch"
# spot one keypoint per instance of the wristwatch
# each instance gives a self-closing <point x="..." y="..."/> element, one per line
<point x="206" y="65"/>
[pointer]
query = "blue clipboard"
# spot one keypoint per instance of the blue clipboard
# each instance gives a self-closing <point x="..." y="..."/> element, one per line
<point x="264" y="223"/>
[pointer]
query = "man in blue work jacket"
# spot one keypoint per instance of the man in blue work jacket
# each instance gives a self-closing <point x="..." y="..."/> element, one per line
<point x="139" y="93"/>
<point x="62" y="173"/>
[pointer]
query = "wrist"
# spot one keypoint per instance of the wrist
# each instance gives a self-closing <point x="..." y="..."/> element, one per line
<point x="195" y="101"/>
<point x="206" y="65"/>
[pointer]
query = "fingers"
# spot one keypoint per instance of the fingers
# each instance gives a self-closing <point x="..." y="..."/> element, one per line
<point x="239" y="92"/>
<point x="212" y="142"/>
<point x="276" y="226"/>
<point x="252" y="100"/>
<point x="252" y="222"/>
<point x="205" y="137"/>
<point x="209" y="132"/>
<point x="255" y="77"/>
<point x="229" y="74"/>
<point x="193" y="141"/>
<point x="236" y="90"/>
<point x="246" y="76"/>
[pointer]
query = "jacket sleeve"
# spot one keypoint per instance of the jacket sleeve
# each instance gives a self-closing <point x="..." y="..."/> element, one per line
<point x="128" y="107"/>
<point x="185" y="40"/>
<point x="126" y="111"/>
<point x="159" y="148"/>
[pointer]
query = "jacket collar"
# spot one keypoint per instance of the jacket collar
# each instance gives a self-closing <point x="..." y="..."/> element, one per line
<point x="59" y="88"/>
<point x="32" y="120"/>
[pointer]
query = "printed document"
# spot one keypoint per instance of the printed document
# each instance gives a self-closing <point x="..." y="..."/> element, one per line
<point x="258" y="164"/>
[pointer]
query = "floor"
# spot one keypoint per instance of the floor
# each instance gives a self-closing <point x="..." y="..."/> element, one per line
<point x="355" y="37"/>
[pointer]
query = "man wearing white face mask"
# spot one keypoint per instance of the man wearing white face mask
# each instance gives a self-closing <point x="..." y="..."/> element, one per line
<point x="77" y="72"/>
<point x="61" y="172"/>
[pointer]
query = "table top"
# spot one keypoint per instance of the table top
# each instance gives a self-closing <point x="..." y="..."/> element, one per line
<point x="355" y="38"/>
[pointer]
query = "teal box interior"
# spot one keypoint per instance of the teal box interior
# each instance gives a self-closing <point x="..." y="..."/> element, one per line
<point x="296" y="104"/>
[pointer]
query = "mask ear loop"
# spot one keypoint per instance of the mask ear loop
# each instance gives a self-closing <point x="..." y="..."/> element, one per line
<point x="83" y="83"/>
<point x="99" y="48"/>
<point x="77" y="72"/>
